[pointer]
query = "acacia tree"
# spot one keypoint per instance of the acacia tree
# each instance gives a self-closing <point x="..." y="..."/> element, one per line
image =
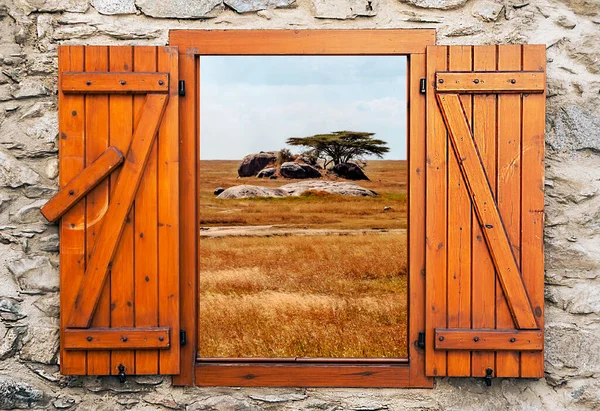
<point x="341" y="146"/>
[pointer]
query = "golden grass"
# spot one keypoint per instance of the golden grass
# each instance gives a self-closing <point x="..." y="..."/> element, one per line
<point x="303" y="296"/>
<point x="388" y="178"/>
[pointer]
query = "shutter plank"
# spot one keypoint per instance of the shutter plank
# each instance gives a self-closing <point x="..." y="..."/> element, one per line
<point x="121" y="277"/>
<point x="96" y="142"/>
<point x="484" y="279"/>
<point x="436" y="213"/>
<point x="146" y="231"/>
<point x="532" y="204"/>
<point x="489" y="340"/>
<point x="509" y="193"/>
<point x="459" y="234"/>
<point x="127" y="184"/>
<point x="71" y="145"/>
<point x="497" y="82"/>
<point x="168" y="217"/>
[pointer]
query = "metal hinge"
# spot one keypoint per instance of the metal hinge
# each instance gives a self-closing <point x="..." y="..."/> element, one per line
<point x="489" y="373"/>
<point x="182" y="337"/>
<point x="121" y="375"/>
<point x="423" y="86"/>
<point x="181" y="89"/>
<point x="421" y="340"/>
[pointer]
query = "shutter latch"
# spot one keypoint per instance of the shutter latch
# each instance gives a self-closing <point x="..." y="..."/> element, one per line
<point x="488" y="377"/>
<point x="421" y="340"/>
<point x="423" y="86"/>
<point x="182" y="337"/>
<point x="121" y="375"/>
<point x="181" y="88"/>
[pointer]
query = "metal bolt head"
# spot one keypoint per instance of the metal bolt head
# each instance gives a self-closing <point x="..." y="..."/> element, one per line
<point x="124" y="339"/>
<point x="476" y="339"/>
<point x="88" y="83"/>
<point x="161" y="338"/>
<point x="476" y="81"/>
<point x="441" y="338"/>
<point x="123" y="82"/>
<point x="161" y="83"/>
<point x="513" y="340"/>
<point x="513" y="81"/>
<point x="71" y="192"/>
<point x="89" y="338"/>
<point x="441" y="81"/>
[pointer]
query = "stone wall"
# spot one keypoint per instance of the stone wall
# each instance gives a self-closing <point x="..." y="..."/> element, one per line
<point x="31" y="30"/>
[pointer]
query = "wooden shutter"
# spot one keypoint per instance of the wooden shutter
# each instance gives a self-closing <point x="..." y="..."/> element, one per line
<point x="118" y="209"/>
<point x="484" y="210"/>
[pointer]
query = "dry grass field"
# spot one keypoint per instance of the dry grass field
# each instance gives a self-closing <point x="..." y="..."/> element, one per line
<point x="333" y="295"/>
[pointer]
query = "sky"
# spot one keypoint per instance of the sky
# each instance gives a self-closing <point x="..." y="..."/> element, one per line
<point x="250" y="104"/>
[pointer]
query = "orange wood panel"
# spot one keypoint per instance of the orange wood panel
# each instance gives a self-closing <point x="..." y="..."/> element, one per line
<point x="486" y="210"/>
<point x="532" y="203"/>
<point x="121" y="82"/>
<point x="71" y="144"/>
<point x="256" y="42"/>
<point x="168" y="216"/>
<point x="416" y="239"/>
<point x="79" y="186"/>
<point x="436" y="215"/>
<point x="301" y="375"/>
<point x="493" y="82"/>
<point x="96" y="142"/>
<point x="123" y="196"/>
<point x="491" y="340"/>
<point x="509" y="193"/>
<point x="459" y="233"/>
<point x="122" y="338"/>
<point x="483" y="277"/>
<point x="188" y="230"/>
<point x="121" y="278"/>
<point x="146" y="231"/>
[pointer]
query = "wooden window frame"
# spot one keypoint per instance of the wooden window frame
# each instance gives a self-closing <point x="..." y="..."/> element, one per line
<point x="329" y="372"/>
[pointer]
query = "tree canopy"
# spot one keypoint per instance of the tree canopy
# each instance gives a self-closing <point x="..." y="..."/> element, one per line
<point x="341" y="146"/>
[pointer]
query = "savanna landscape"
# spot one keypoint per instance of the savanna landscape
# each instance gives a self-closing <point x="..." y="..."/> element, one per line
<point x="310" y="275"/>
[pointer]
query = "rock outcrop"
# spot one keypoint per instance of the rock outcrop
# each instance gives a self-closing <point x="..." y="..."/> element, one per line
<point x="247" y="191"/>
<point x="349" y="171"/>
<point x="253" y="163"/>
<point x="298" y="171"/>
<point x="297" y="189"/>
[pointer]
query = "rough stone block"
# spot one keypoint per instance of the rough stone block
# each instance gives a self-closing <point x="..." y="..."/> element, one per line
<point x="114" y="6"/>
<point x="345" y="9"/>
<point x="35" y="275"/>
<point x="181" y="9"/>
<point x="436" y="4"/>
<point x="246" y="6"/>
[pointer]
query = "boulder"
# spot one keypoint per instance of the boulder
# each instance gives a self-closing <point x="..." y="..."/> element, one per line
<point x="267" y="172"/>
<point x="247" y="191"/>
<point x="349" y="171"/>
<point x="331" y="187"/>
<point x="298" y="171"/>
<point x="253" y="163"/>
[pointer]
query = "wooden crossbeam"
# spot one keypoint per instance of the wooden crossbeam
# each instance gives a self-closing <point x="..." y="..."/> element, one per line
<point x="141" y="338"/>
<point x="491" y="82"/>
<point x="82" y="184"/>
<point x="487" y="212"/>
<point x="488" y="340"/>
<point x="126" y="82"/>
<point x="123" y="195"/>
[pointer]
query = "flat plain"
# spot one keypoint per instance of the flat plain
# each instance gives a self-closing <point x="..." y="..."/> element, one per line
<point x="324" y="275"/>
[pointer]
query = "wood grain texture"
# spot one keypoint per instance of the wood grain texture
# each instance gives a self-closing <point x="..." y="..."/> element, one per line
<point x="122" y="81"/>
<point x="145" y="230"/>
<point x="491" y="82"/>
<point x="96" y="142"/>
<point x="532" y="203"/>
<point x="416" y="233"/>
<point x="189" y="181"/>
<point x="294" y="42"/>
<point x="123" y="195"/>
<point x="487" y="212"/>
<point x="508" y="192"/>
<point x="460" y="58"/>
<point x="436" y="216"/>
<point x="121" y="283"/>
<point x="296" y="375"/>
<point x="71" y="148"/>
<point x="483" y="277"/>
<point x="79" y="186"/>
<point x="488" y="340"/>
<point x="168" y="216"/>
<point x="121" y="338"/>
